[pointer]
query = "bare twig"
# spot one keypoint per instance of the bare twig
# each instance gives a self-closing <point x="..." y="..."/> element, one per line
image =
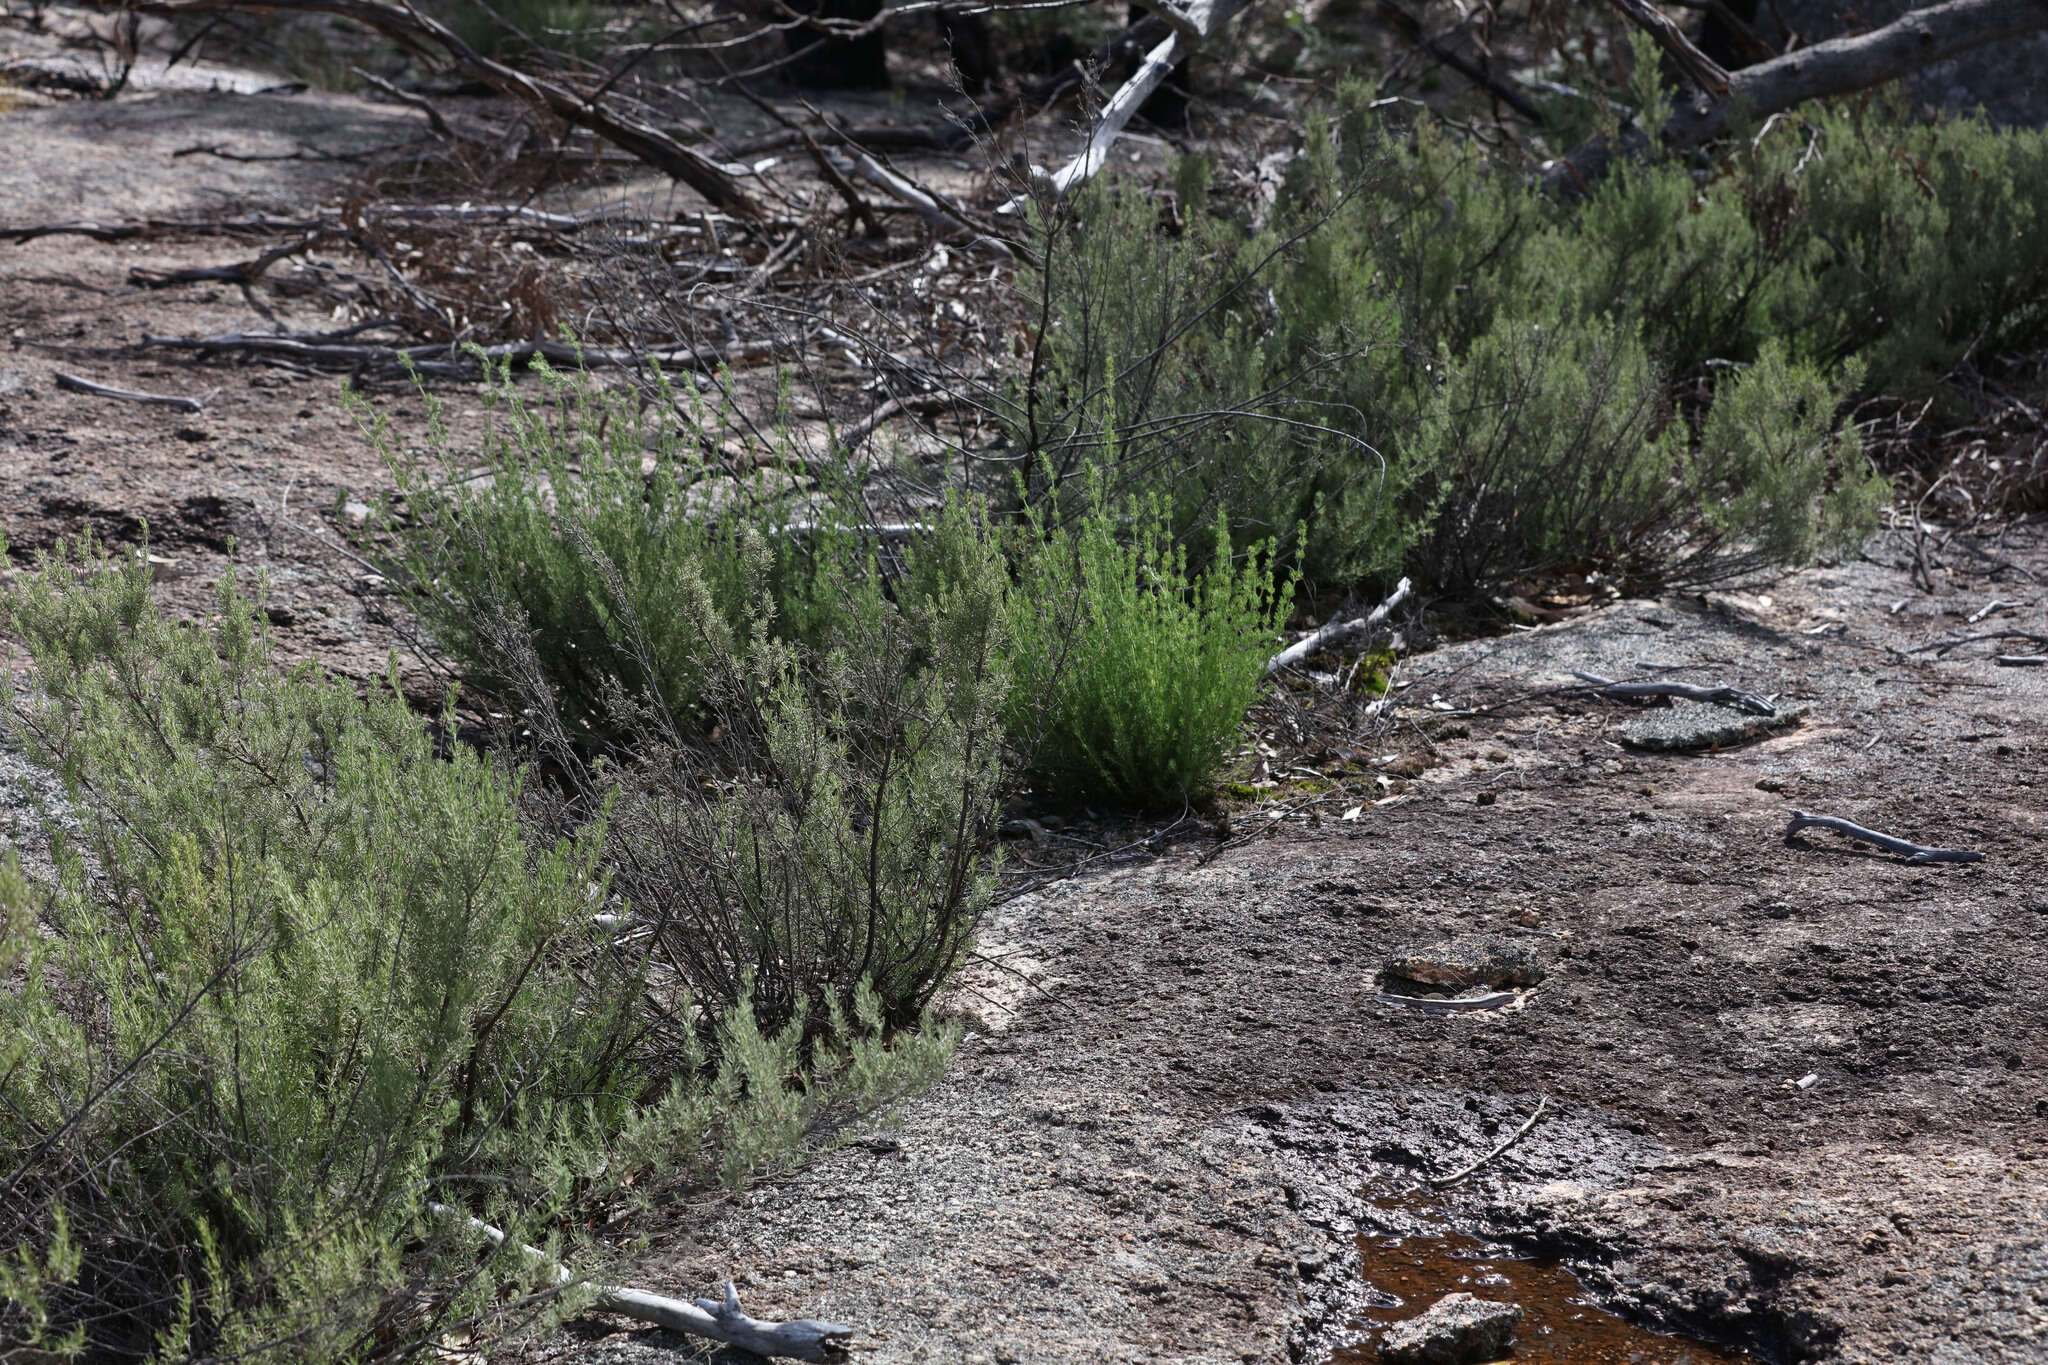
<point x="1996" y="604"/>
<point x="1905" y="848"/>
<point x="1439" y="1181"/>
<point x="73" y="384"/>
<point x="1941" y="648"/>
<point x="444" y="360"/>
<point x="1718" y="696"/>
<point x="2020" y="660"/>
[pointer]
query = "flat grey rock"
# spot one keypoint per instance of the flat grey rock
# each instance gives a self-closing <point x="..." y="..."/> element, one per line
<point x="1457" y="1330"/>
<point x="1691" y="726"/>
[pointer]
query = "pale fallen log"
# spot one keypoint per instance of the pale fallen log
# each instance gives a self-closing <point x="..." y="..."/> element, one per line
<point x="73" y="384"/>
<point x="1454" y="1177"/>
<point x="1716" y="696"/>
<point x="1905" y="848"/>
<point x="1337" y="631"/>
<point x="716" y="1320"/>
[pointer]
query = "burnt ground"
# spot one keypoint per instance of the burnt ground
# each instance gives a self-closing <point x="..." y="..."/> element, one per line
<point x="1177" y="1105"/>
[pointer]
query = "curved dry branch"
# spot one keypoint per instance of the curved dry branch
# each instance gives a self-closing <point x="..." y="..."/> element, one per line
<point x="1905" y="848"/>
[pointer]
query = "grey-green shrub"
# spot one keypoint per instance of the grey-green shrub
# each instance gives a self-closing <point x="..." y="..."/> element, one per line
<point x="1135" y="673"/>
<point x="811" y="734"/>
<point x="306" y="971"/>
<point x="848" y="843"/>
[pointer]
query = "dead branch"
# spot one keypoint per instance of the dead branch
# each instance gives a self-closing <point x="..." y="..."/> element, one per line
<point x="856" y="435"/>
<point x="73" y="384"/>
<point x="445" y="361"/>
<point x="1411" y="29"/>
<point x="1837" y="67"/>
<point x="716" y="1320"/>
<point x="1717" y="696"/>
<point x="422" y="34"/>
<point x="1941" y="648"/>
<point x="241" y="272"/>
<point x="2019" y="660"/>
<point x="1905" y="848"/>
<point x="1702" y="70"/>
<point x="1454" y="1177"/>
<point x="1337" y="631"/>
<point x="1996" y="604"/>
<point x="1201" y="23"/>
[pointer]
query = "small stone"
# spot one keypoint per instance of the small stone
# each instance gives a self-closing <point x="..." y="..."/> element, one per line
<point x="280" y="615"/>
<point x="1470" y="960"/>
<point x="356" y="512"/>
<point x="1527" y="918"/>
<point x="1457" y="1330"/>
<point x="1770" y="784"/>
<point x="1486" y="798"/>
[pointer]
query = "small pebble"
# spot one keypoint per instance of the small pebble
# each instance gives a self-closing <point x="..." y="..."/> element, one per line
<point x="1770" y="784"/>
<point x="1486" y="798"/>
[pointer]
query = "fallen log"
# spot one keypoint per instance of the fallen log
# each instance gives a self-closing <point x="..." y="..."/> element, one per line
<point x="1715" y="696"/>
<point x="1905" y="848"/>
<point x="1441" y="1004"/>
<point x="426" y="36"/>
<point x="716" y="1320"/>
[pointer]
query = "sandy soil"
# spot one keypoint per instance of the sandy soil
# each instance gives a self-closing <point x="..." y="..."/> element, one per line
<point x="1179" y="1106"/>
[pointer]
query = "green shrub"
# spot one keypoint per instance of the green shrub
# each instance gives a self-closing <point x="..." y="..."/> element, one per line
<point x="306" y="971"/>
<point x="1438" y="369"/>
<point x="586" y="514"/>
<point x="1134" y="675"/>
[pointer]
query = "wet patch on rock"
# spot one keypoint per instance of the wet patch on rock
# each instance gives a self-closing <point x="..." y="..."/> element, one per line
<point x="1538" y="1303"/>
<point x="1692" y="727"/>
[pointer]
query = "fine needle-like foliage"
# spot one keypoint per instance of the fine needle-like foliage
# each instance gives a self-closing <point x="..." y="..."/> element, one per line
<point x="306" y="970"/>
<point x="1139" y="672"/>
